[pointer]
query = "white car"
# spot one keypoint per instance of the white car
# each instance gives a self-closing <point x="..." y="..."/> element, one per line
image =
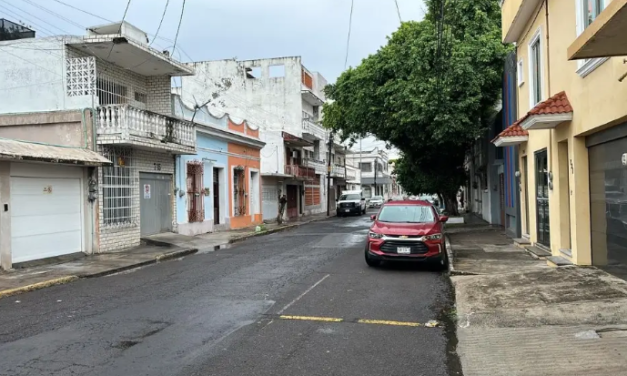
<point x="351" y="202"/>
<point x="375" y="202"/>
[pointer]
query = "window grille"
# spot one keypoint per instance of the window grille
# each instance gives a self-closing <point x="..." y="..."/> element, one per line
<point x="80" y="76"/>
<point x="117" y="187"/>
<point x="195" y="196"/>
<point x="239" y="192"/>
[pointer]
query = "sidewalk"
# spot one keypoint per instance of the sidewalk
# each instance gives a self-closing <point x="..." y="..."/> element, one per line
<point x="154" y="249"/>
<point x="518" y="316"/>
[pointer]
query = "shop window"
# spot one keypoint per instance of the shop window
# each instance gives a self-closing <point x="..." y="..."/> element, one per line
<point x="195" y="194"/>
<point x="117" y="187"/>
<point x="239" y="192"/>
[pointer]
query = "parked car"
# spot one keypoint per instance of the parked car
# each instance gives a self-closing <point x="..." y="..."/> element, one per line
<point x="407" y="231"/>
<point x="375" y="202"/>
<point x="351" y="202"/>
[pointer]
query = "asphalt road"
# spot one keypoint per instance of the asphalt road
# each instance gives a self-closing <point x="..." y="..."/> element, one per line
<point x="284" y="304"/>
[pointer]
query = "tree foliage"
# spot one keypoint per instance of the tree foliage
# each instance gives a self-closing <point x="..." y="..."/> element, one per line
<point x="429" y="96"/>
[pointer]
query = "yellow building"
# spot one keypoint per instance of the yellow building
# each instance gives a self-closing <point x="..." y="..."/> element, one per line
<point x="572" y="127"/>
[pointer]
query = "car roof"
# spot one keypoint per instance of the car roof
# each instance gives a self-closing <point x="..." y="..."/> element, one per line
<point x="350" y="192"/>
<point x="408" y="203"/>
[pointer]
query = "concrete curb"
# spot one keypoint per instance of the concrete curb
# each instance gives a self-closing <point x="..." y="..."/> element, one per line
<point x="449" y="254"/>
<point x="272" y="231"/>
<point x="37" y="286"/>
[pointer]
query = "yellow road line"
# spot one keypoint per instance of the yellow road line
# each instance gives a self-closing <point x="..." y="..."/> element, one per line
<point x="311" y="318"/>
<point x="37" y="286"/>
<point x="389" y="322"/>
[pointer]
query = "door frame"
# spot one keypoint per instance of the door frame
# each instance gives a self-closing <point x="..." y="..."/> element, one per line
<point x="170" y="203"/>
<point x="254" y="199"/>
<point x="525" y="186"/>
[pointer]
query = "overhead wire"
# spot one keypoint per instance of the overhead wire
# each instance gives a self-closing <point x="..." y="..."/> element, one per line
<point x="348" y="39"/>
<point x="128" y="4"/>
<point x="53" y="13"/>
<point x="29" y="14"/>
<point x="165" y="9"/>
<point x="82" y="10"/>
<point x="398" y="11"/>
<point x="179" y="26"/>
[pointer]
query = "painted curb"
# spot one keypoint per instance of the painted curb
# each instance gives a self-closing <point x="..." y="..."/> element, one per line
<point x="37" y="286"/>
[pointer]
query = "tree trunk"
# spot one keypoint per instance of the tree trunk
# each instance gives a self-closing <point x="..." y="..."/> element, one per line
<point x="450" y="204"/>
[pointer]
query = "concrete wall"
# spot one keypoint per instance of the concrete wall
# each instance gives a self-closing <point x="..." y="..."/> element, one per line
<point x="58" y="128"/>
<point x="35" y="68"/>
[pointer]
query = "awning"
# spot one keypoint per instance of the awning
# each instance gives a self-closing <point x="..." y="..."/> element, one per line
<point x="548" y="114"/>
<point x="605" y="36"/>
<point x="292" y="140"/>
<point x="512" y="135"/>
<point x="24" y="151"/>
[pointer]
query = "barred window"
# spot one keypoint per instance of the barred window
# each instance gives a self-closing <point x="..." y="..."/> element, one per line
<point x="117" y="187"/>
<point x="239" y="192"/>
<point x="195" y="196"/>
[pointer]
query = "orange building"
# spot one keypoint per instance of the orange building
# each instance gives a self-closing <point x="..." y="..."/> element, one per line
<point x="244" y="178"/>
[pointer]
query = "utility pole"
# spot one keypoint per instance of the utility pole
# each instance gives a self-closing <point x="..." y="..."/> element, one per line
<point x="376" y="167"/>
<point x="330" y="146"/>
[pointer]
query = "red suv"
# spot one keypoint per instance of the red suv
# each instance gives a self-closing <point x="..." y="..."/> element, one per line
<point x="407" y="231"/>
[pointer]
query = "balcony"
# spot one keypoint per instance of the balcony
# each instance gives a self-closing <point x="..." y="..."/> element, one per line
<point x="515" y="14"/>
<point x="338" y="171"/>
<point x="605" y="36"/>
<point x="300" y="172"/>
<point x="351" y="174"/>
<point x="317" y="165"/>
<point x="130" y="126"/>
<point x="312" y="130"/>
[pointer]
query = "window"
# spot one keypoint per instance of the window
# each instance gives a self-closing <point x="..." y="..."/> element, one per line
<point x="141" y="97"/>
<point x="253" y="72"/>
<point x="587" y="12"/>
<point x="277" y="71"/>
<point x="406" y="214"/>
<point x="117" y="188"/>
<point x="365" y="167"/>
<point x="195" y="194"/>
<point x="110" y="92"/>
<point x="239" y="192"/>
<point x="535" y="68"/>
<point x="520" y="74"/>
<point x="350" y="197"/>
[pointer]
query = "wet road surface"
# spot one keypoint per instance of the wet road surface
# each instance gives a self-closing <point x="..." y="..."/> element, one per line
<point x="301" y="302"/>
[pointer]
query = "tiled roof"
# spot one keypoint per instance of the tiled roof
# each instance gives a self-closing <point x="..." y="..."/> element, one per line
<point x="514" y="130"/>
<point x="557" y="104"/>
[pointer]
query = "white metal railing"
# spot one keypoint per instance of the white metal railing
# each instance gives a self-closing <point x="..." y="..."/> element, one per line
<point x="339" y="171"/>
<point x="126" y="121"/>
<point x="319" y="166"/>
<point x="311" y="127"/>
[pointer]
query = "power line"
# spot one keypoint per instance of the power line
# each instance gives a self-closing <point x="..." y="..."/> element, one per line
<point x="167" y="2"/>
<point x="81" y="10"/>
<point x="179" y="27"/>
<point x="128" y="4"/>
<point x="54" y="13"/>
<point x="398" y="10"/>
<point x="32" y="15"/>
<point x="350" y="26"/>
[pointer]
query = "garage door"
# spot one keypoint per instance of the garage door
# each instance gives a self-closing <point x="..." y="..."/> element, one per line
<point x="45" y="218"/>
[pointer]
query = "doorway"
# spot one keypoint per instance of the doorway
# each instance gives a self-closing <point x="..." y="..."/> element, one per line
<point x="564" y="195"/>
<point x="155" y="203"/>
<point x="542" y="199"/>
<point x="292" y="201"/>
<point x="525" y="188"/>
<point x="216" y="196"/>
<point x="502" y="197"/>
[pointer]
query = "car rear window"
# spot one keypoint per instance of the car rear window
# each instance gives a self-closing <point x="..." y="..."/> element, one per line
<point x="406" y="214"/>
<point x="377" y="198"/>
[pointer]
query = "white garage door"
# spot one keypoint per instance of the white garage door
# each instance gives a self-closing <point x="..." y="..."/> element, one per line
<point x="45" y="217"/>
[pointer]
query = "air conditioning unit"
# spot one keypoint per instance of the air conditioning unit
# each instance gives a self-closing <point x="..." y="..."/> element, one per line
<point x="294" y="154"/>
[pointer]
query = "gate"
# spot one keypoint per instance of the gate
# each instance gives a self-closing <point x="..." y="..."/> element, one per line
<point x="156" y="203"/>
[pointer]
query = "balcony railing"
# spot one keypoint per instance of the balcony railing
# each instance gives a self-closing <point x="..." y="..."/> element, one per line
<point x="310" y="127"/>
<point x="124" y="124"/>
<point x="317" y="165"/>
<point x="351" y="174"/>
<point x="298" y="171"/>
<point x="338" y="171"/>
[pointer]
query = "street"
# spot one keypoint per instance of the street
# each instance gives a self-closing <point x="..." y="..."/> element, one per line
<point x="291" y="303"/>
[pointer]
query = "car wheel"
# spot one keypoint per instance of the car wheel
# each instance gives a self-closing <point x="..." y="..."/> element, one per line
<point x="372" y="262"/>
<point x="442" y="263"/>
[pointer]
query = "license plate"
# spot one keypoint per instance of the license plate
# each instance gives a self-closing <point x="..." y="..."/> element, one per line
<point x="347" y="210"/>
<point x="403" y="250"/>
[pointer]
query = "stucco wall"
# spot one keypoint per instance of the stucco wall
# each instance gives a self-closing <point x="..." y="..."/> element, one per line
<point x="58" y="128"/>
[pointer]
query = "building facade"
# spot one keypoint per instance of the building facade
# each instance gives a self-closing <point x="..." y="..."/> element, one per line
<point x="375" y="172"/>
<point x="284" y="99"/>
<point x="570" y="128"/>
<point x="218" y="188"/>
<point x="119" y="90"/>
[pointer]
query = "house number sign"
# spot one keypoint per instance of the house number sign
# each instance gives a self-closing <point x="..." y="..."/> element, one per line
<point x="157" y="166"/>
<point x="48" y="189"/>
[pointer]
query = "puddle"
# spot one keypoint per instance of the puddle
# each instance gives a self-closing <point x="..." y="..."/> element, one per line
<point x="214" y="248"/>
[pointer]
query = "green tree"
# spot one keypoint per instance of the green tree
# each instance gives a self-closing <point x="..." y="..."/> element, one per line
<point x="429" y="94"/>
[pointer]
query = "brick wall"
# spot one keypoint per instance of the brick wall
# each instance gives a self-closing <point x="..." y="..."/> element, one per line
<point x="114" y="238"/>
<point x="157" y="88"/>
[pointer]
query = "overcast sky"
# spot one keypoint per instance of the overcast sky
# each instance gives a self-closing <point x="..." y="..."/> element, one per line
<point x="243" y="29"/>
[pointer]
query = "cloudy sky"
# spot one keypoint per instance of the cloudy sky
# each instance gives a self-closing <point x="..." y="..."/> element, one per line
<point x="243" y="29"/>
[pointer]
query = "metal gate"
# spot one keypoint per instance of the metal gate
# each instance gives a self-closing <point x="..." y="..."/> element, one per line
<point x="156" y="203"/>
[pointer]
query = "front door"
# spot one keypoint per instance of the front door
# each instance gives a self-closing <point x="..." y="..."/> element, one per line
<point x="156" y="203"/>
<point x="292" y="201"/>
<point x="542" y="199"/>
<point x="216" y="196"/>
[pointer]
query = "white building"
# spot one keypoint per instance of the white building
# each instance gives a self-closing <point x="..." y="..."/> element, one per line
<point x="285" y="100"/>
<point x="108" y="83"/>
<point x="375" y="172"/>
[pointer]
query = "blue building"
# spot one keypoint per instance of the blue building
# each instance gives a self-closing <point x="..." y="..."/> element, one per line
<point x="204" y="201"/>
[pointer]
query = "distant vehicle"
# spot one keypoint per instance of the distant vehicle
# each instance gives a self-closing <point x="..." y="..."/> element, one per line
<point x="351" y="202"/>
<point x="375" y="202"/>
<point x="407" y="231"/>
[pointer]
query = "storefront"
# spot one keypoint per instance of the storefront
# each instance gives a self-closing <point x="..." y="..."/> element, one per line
<point x="608" y="199"/>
